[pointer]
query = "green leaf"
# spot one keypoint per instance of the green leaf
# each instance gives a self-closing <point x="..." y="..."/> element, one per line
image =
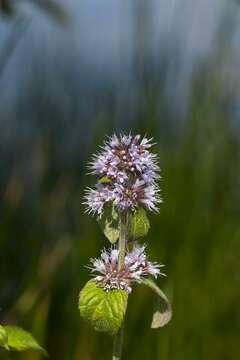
<point x="3" y="337"/>
<point x="105" y="180"/>
<point x="163" y="312"/>
<point x="138" y="224"/>
<point x="21" y="340"/>
<point x="109" y="223"/>
<point x="103" y="310"/>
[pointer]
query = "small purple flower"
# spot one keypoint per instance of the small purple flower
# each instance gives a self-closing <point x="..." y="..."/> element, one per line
<point x="95" y="199"/>
<point x="136" y="266"/>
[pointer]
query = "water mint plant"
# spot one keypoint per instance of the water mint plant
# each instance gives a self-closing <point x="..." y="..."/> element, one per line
<point x="126" y="188"/>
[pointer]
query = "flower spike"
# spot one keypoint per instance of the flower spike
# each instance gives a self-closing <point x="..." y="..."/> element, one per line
<point x="131" y="171"/>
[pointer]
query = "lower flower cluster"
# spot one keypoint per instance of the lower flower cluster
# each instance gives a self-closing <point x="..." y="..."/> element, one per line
<point x="136" y="266"/>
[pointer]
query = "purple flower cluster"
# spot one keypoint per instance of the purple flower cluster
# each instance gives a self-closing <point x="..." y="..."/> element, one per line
<point x="136" y="266"/>
<point x="131" y="173"/>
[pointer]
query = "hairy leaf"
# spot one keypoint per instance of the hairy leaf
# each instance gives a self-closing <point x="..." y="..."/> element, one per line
<point x="138" y="224"/>
<point x="103" y="310"/>
<point x="21" y="340"/>
<point x="109" y="223"/>
<point x="163" y="312"/>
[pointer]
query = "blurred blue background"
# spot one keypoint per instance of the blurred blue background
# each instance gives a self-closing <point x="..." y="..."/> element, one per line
<point x="70" y="76"/>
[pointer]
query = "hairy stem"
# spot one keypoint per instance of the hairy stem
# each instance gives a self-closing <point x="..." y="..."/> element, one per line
<point x="118" y="340"/>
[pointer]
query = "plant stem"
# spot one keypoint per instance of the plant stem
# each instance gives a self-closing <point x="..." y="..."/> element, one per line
<point x="122" y="239"/>
<point x="118" y="343"/>
<point x="118" y="340"/>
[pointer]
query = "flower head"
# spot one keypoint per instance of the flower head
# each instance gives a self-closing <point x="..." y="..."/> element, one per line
<point x="126" y="156"/>
<point x="131" y="171"/>
<point x="136" y="266"/>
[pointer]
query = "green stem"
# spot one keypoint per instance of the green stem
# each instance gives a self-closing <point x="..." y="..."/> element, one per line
<point x="118" y="344"/>
<point x="122" y="239"/>
<point x="118" y="340"/>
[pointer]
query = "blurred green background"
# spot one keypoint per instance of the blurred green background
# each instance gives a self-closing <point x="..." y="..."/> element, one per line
<point x="67" y="81"/>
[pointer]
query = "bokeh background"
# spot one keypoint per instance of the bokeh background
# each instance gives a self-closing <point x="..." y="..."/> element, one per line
<point x="68" y="78"/>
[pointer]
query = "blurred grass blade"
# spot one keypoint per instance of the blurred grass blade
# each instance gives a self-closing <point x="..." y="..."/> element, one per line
<point x="21" y="340"/>
<point x="3" y="337"/>
<point x="54" y="9"/>
<point x="163" y="311"/>
<point x="6" y="7"/>
<point x="17" y="31"/>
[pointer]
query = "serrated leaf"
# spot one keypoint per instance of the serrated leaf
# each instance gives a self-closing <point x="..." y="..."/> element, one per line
<point x="109" y="223"/>
<point x="163" y="311"/>
<point x="21" y="340"/>
<point x="103" y="310"/>
<point x="138" y="224"/>
<point x="3" y="337"/>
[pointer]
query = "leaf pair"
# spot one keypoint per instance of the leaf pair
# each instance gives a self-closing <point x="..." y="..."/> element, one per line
<point x="105" y="311"/>
<point x="15" y="338"/>
<point x="138" y="224"/>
